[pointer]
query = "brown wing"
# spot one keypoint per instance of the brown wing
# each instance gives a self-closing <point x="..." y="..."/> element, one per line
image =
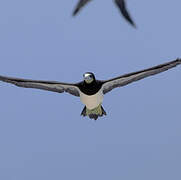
<point x="44" y="85"/>
<point x="135" y="76"/>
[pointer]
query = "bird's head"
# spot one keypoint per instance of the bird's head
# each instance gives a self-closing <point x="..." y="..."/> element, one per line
<point x="89" y="77"/>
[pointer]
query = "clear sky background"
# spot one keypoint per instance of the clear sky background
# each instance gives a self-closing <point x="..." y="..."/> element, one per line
<point x="43" y="136"/>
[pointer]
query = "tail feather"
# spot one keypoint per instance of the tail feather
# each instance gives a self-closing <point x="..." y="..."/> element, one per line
<point x="93" y="116"/>
<point x="83" y="113"/>
<point x="103" y="111"/>
<point x="94" y="113"/>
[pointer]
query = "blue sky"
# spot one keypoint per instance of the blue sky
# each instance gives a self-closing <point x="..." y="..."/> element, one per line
<point x="43" y="136"/>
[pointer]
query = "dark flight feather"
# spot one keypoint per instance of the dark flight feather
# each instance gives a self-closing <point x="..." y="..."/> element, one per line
<point x="80" y="4"/>
<point x="43" y="85"/>
<point x="120" y="4"/>
<point x="135" y="76"/>
<point x="122" y="7"/>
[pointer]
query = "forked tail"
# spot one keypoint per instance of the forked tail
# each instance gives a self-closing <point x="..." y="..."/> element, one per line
<point x="94" y="113"/>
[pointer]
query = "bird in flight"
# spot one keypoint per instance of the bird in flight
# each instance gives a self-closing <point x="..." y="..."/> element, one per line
<point x="91" y="90"/>
<point x="119" y="3"/>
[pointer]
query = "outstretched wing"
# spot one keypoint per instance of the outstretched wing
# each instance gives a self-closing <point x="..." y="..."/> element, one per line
<point x="80" y="4"/>
<point x="135" y="76"/>
<point x="122" y="7"/>
<point x="44" y="85"/>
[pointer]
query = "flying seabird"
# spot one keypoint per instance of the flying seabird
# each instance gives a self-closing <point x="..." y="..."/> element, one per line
<point x="119" y="3"/>
<point x="90" y="90"/>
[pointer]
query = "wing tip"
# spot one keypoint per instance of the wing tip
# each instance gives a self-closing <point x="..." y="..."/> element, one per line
<point x="74" y="13"/>
<point x="133" y="24"/>
<point x="179" y="60"/>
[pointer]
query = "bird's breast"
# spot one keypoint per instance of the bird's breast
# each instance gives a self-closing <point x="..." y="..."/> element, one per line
<point x="92" y="101"/>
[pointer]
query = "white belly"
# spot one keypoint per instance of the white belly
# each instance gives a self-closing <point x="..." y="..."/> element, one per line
<point x="92" y="101"/>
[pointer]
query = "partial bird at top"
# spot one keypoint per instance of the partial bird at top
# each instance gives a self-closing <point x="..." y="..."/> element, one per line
<point x="120" y="4"/>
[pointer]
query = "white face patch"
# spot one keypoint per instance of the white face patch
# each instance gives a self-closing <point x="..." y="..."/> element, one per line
<point x="86" y="75"/>
<point x="88" y="78"/>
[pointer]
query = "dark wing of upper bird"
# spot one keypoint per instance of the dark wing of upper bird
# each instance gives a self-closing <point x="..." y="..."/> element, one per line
<point x="44" y="85"/>
<point x="122" y="7"/>
<point x="135" y="76"/>
<point x="80" y="4"/>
